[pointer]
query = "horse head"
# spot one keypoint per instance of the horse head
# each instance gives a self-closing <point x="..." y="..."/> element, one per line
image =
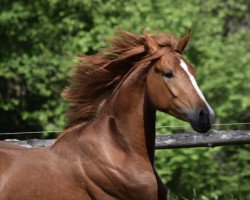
<point x="171" y="86"/>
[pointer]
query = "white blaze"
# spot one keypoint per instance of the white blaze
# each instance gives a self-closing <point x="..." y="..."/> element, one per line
<point x="193" y="81"/>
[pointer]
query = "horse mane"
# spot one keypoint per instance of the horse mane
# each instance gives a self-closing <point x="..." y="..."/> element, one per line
<point x="95" y="77"/>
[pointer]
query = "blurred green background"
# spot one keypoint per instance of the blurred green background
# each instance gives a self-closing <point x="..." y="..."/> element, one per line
<point x="39" y="41"/>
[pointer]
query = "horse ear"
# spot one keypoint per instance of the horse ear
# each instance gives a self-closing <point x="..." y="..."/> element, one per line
<point x="152" y="45"/>
<point x="183" y="42"/>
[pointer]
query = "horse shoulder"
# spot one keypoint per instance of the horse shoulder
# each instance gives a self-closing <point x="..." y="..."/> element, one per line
<point x="124" y="179"/>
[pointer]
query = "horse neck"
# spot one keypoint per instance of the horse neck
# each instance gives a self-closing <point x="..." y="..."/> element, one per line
<point x="133" y="118"/>
<point x="127" y="121"/>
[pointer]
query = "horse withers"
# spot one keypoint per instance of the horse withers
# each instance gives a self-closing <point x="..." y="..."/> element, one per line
<point x="107" y="150"/>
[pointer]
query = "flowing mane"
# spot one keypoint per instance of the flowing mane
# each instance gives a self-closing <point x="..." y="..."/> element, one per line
<point x="95" y="77"/>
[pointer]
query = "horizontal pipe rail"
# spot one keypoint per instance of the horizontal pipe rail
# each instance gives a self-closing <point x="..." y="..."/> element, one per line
<point x="210" y="139"/>
<point x="171" y="141"/>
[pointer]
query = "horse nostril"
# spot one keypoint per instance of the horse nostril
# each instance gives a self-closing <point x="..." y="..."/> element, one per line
<point x="204" y="117"/>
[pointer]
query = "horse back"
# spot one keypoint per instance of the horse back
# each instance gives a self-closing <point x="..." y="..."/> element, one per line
<point x="8" y="152"/>
<point x="9" y="146"/>
<point x="27" y="173"/>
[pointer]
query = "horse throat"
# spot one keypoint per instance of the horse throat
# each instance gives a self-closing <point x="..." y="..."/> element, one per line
<point x="149" y="116"/>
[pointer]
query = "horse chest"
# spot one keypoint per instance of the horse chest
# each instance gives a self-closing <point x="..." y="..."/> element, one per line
<point x="123" y="182"/>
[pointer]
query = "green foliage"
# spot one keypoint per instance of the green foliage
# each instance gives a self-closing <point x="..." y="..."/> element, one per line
<point x="202" y="173"/>
<point x="39" y="42"/>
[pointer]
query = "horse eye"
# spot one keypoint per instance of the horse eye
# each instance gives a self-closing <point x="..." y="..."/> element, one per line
<point x="169" y="74"/>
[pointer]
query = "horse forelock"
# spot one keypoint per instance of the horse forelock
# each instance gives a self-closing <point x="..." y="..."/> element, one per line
<point x="96" y="77"/>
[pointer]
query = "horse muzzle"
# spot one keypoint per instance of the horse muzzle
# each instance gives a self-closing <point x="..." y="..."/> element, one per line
<point x="201" y="120"/>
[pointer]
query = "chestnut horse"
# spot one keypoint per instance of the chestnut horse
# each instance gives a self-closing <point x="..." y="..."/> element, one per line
<point x="107" y="150"/>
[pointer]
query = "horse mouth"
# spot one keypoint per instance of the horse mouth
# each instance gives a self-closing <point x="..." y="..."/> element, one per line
<point x="201" y="128"/>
